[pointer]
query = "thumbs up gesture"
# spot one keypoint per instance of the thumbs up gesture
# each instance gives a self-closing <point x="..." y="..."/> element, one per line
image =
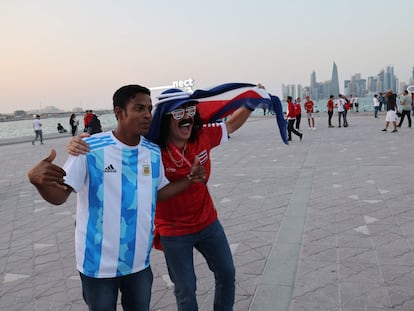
<point x="46" y="174"/>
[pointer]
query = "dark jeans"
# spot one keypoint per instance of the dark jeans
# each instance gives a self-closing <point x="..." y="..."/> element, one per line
<point x="39" y="134"/>
<point x="291" y="129"/>
<point x="330" y="114"/>
<point x="403" y="114"/>
<point x="102" y="294"/>
<point x="212" y="244"/>
<point x="343" y="115"/>
<point x="298" y="117"/>
<point x="377" y="108"/>
<point x="74" y="130"/>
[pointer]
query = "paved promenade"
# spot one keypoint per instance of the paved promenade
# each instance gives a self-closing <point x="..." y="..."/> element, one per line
<point x="322" y="224"/>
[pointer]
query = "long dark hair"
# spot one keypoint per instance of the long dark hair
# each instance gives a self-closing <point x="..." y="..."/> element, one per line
<point x="165" y="128"/>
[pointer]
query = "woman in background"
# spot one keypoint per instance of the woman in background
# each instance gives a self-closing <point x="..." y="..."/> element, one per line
<point x="74" y="124"/>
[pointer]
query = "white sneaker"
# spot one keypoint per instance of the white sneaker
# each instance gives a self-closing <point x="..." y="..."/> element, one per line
<point x="313" y="128"/>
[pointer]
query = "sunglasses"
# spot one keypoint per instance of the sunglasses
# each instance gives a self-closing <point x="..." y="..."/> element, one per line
<point x="178" y="114"/>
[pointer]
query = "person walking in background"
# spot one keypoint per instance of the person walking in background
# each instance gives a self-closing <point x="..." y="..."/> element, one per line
<point x="377" y="105"/>
<point x="391" y="116"/>
<point x="74" y="123"/>
<point x="309" y="112"/>
<point x="264" y="107"/>
<point x="298" y="108"/>
<point x="351" y="101"/>
<point x="117" y="183"/>
<point x="291" y="118"/>
<point x="340" y="104"/>
<point x="356" y="103"/>
<point x="405" y="103"/>
<point x="381" y="99"/>
<point x="37" y="127"/>
<point x="330" y="108"/>
<point x="347" y="106"/>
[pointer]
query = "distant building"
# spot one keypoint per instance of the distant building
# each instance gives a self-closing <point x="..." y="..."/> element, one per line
<point x="334" y="89"/>
<point x="356" y="86"/>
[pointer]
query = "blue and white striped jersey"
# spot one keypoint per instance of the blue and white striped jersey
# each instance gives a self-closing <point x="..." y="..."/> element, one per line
<point x="116" y="189"/>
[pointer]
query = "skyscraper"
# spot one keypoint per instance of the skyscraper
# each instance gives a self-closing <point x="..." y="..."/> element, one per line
<point x="334" y="81"/>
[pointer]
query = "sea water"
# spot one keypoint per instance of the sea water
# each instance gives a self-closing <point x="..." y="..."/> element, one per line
<point x="23" y="128"/>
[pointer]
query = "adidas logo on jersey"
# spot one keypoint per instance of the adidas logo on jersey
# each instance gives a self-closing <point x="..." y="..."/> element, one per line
<point x="110" y="169"/>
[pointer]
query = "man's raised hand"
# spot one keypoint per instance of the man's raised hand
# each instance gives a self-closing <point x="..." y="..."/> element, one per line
<point x="45" y="173"/>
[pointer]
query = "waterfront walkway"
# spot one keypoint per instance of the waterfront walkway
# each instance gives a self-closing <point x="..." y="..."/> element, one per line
<point x="322" y="224"/>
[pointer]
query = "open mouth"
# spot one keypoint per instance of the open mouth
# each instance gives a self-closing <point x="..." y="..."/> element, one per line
<point x="185" y="126"/>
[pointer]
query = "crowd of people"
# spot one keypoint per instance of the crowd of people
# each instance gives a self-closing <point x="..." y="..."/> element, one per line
<point x="397" y="107"/>
<point x="91" y="123"/>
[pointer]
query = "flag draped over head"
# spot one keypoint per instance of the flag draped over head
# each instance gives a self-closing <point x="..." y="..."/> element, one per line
<point x="218" y="102"/>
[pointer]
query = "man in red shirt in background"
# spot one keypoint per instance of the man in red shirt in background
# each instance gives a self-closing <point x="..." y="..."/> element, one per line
<point x="330" y="108"/>
<point x="309" y="111"/>
<point x="298" y="108"/>
<point x="291" y="118"/>
<point x="87" y="118"/>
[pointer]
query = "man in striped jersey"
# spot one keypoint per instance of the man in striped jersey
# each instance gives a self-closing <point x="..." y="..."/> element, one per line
<point x="118" y="183"/>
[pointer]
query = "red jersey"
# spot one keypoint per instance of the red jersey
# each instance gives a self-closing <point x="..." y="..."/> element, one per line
<point x="193" y="209"/>
<point x="298" y="109"/>
<point x="87" y="119"/>
<point x="291" y="111"/>
<point x="330" y="105"/>
<point x="309" y="106"/>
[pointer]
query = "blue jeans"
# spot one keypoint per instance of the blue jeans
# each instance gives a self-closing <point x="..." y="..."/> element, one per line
<point x="376" y="108"/>
<point x="102" y="294"/>
<point x="39" y="134"/>
<point x="212" y="244"/>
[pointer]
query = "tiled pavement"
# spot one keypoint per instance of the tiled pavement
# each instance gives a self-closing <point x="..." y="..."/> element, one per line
<point x="322" y="224"/>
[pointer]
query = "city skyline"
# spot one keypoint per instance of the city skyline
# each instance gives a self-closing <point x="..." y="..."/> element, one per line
<point x="76" y="53"/>
<point x="384" y="80"/>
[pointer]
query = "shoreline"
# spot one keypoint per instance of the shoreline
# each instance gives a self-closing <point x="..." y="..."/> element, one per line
<point x="46" y="137"/>
<point x="28" y="139"/>
<point x="50" y="136"/>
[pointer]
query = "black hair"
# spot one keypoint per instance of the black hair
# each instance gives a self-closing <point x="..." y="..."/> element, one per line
<point x="331" y="96"/>
<point x="289" y="98"/>
<point x="165" y="128"/>
<point x="124" y="94"/>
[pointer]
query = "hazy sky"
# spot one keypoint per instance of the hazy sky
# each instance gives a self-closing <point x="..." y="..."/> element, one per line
<point x="76" y="53"/>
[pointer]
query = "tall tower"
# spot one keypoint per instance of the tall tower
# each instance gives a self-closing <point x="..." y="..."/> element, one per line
<point x="313" y="88"/>
<point x="334" y="81"/>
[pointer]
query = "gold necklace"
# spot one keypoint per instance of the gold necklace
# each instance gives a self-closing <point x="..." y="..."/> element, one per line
<point x="180" y="162"/>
